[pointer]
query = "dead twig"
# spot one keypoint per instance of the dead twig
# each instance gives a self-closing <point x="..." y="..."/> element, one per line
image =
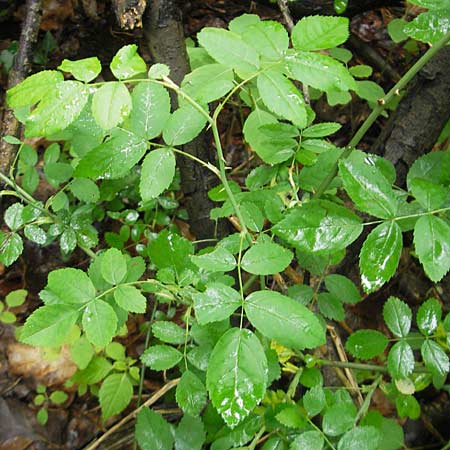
<point x="153" y="399"/>
<point x="20" y="69"/>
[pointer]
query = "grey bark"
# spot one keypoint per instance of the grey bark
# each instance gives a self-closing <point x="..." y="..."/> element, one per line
<point x="163" y="30"/>
<point x="414" y="127"/>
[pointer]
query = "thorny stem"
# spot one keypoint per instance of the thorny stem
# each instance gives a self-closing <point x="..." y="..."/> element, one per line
<point x="382" y="103"/>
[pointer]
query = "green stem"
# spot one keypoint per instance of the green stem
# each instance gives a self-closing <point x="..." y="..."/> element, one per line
<point x="360" y="366"/>
<point x="142" y="375"/>
<point x="365" y="406"/>
<point x="321" y="432"/>
<point x="409" y="75"/>
<point x="209" y="166"/>
<point x="257" y="437"/>
<point x="226" y="185"/>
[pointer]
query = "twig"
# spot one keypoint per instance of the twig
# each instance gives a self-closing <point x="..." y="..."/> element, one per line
<point x="343" y="357"/>
<point x="284" y="8"/>
<point x="20" y="69"/>
<point x="153" y="399"/>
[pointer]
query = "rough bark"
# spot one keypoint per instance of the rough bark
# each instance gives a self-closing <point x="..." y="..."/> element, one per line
<point x="129" y="13"/>
<point x="21" y="67"/>
<point x="301" y="8"/>
<point x="414" y="127"/>
<point x="163" y="30"/>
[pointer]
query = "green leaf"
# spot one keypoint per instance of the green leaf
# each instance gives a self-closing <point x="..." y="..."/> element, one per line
<point x="152" y="431"/>
<point x="99" y="323"/>
<point x="317" y="32"/>
<point x="342" y="288"/>
<point x="361" y="71"/>
<point x="111" y="104"/>
<point x="270" y="151"/>
<point x="42" y="416"/>
<point x="268" y="38"/>
<point x="330" y="306"/>
<point x="130" y="299"/>
<point x="339" y="418"/>
<point x="266" y="258"/>
<point x="158" y="170"/>
<point x="217" y="303"/>
<point x="170" y="250"/>
<point x="429" y="316"/>
<point x="33" y="88"/>
<point x="401" y="360"/>
<point x="71" y="285"/>
<point x="397" y="316"/>
<point x="283" y="319"/>
<point x="321" y="130"/>
<point x="320" y="71"/>
<point x="151" y="109"/>
<point x="367" y="187"/>
<point x="396" y="31"/>
<point x="96" y="371"/>
<point x="191" y="394"/>
<point x="243" y="22"/>
<point x="207" y="83"/>
<point x="237" y="375"/>
<point x="161" y="357"/>
<point x="115" y="351"/>
<point x="380" y="255"/>
<point x="435" y="358"/>
<point x="158" y="71"/>
<point x="430" y="26"/>
<point x="366" y="344"/>
<point x="219" y="260"/>
<point x="58" y="109"/>
<point x="281" y="96"/>
<point x="58" y="172"/>
<point x="190" y="433"/>
<point x="113" y="158"/>
<point x="127" y="63"/>
<point x="238" y="55"/>
<point x="11" y="247"/>
<point x="432" y="242"/>
<point x="314" y="401"/>
<point x="407" y="406"/>
<point x="169" y="332"/>
<point x="81" y="352"/>
<point x="48" y="326"/>
<point x="183" y="125"/>
<point x="68" y="240"/>
<point x="115" y="394"/>
<point x="309" y="440"/>
<point x="84" y="69"/>
<point x="319" y="226"/>
<point x="430" y="195"/>
<point x="58" y="397"/>
<point x="365" y="437"/>
<point x="291" y="416"/>
<point x="13" y="216"/>
<point x="85" y="190"/>
<point x="16" y="298"/>
<point x="113" y="266"/>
